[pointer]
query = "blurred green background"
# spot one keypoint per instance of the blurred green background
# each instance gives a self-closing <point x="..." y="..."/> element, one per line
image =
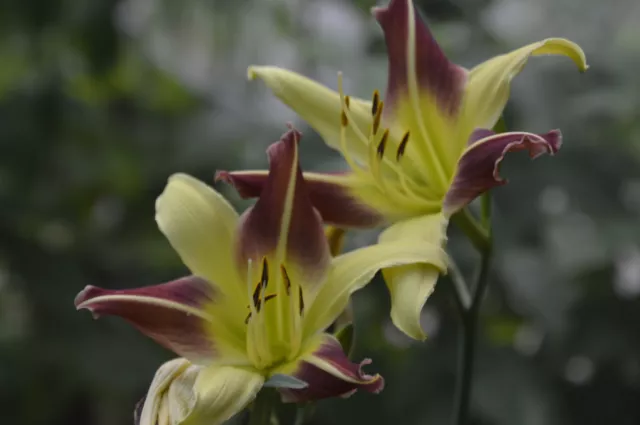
<point x="100" y="101"/>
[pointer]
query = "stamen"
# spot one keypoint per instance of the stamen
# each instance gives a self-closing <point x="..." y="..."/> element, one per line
<point x="259" y="305"/>
<point x="252" y="296"/>
<point x="402" y="146"/>
<point x="262" y="285"/>
<point x="285" y="279"/>
<point x="383" y="144"/>
<point x="346" y="101"/>
<point x="344" y="124"/>
<point x="301" y="298"/>
<point x="375" y="103"/>
<point x="377" y="117"/>
<point x="264" y="280"/>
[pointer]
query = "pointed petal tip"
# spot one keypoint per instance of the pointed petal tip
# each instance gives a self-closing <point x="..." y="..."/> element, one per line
<point x="251" y="72"/>
<point x="574" y="52"/>
<point x="283" y="221"/>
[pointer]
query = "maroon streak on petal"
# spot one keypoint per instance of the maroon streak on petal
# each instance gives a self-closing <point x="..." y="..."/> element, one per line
<point x="479" y="167"/>
<point x="169" y="313"/>
<point x="284" y="209"/>
<point x="344" y="379"/>
<point x="434" y="72"/>
<point x="331" y="199"/>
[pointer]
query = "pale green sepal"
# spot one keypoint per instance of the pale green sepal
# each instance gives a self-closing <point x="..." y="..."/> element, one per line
<point x="197" y="221"/>
<point x="488" y="85"/>
<point x="410" y="285"/>
<point x="318" y="106"/>
<point x="355" y="269"/>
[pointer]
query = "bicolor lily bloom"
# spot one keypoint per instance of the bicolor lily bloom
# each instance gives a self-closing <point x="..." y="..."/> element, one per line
<point x="420" y="154"/>
<point x="263" y="290"/>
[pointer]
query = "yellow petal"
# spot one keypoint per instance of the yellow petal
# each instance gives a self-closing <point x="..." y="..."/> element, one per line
<point x="318" y="106"/>
<point x="488" y="86"/>
<point x="411" y="285"/>
<point x="200" y="225"/>
<point x="221" y="392"/>
<point x="352" y="271"/>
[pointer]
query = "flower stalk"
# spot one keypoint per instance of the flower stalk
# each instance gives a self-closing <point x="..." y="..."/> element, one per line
<point x="262" y="412"/>
<point x="469" y="318"/>
<point x="480" y="236"/>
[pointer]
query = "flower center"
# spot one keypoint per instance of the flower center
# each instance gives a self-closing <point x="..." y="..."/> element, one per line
<point x="387" y="171"/>
<point x="274" y="317"/>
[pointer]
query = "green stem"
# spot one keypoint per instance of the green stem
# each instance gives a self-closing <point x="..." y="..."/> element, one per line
<point x="462" y="295"/>
<point x="470" y="318"/>
<point x="263" y="407"/>
<point x="478" y="235"/>
<point x="304" y="413"/>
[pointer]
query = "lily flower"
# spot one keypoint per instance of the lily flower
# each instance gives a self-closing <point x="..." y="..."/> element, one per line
<point x="420" y="154"/>
<point x="264" y="287"/>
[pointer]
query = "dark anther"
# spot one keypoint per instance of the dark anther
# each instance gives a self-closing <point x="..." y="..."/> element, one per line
<point x="344" y="121"/>
<point x="264" y="281"/>
<point x="259" y="306"/>
<point x="375" y="103"/>
<point x="301" y="300"/>
<point x="286" y="280"/>
<point x="383" y="143"/>
<point x="402" y="146"/>
<point x="377" y="117"/>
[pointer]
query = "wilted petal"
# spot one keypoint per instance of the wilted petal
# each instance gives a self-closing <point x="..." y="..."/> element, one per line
<point x="200" y="225"/>
<point x="424" y="89"/>
<point x="330" y="194"/>
<point x="155" y="409"/>
<point x="319" y="106"/>
<point x="171" y="313"/>
<point x="479" y="166"/>
<point x="351" y="271"/>
<point x="283" y="221"/>
<point x="329" y="373"/>
<point x="411" y="285"/>
<point x="182" y="393"/>
<point x="489" y="83"/>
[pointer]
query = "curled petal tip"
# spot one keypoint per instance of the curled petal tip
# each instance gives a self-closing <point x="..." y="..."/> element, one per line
<point x="554" y="138"/>
<point x="479" y="166"/>
<point x="89" y="292"/>
<point x="331" y="374"/>
<point x="222" y="175"/>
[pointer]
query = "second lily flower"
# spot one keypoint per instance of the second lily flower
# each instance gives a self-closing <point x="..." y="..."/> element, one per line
<point x="417" y="156"/>
<point x="263" y="290"/>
